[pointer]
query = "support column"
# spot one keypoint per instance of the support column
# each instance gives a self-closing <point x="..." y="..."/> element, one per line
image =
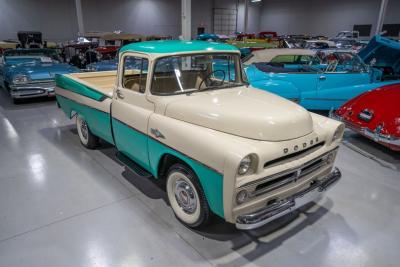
<point x="79" y="16"/>
<point x="381" y="18"/>
<point x="186" y="8"/>
<point x="246" y="15"/>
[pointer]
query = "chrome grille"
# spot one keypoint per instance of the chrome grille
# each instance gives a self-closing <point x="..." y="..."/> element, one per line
<point x="284" y="178"/>
<point x="293" y="156"/>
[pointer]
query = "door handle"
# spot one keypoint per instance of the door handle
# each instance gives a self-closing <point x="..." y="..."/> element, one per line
<point x="322" y="78"/>
<point x="120" y="94"/>
<point x="157" y="133"/>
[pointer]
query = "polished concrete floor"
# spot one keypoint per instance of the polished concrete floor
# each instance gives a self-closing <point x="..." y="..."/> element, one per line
<point x="63" y="205"/>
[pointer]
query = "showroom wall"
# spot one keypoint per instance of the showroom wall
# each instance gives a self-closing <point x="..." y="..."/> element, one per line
<point x="134" y="16"/>
<point x="323" y="16"/>
<point x="202" y="14"/>
<point x="56" y="19"/>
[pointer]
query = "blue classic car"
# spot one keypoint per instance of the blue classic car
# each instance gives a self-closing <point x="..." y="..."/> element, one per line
<point x="28" y="73"/>
<point x="383" y="53"/>
<point x="324" y="81"/>
<point x="104" y="65"/>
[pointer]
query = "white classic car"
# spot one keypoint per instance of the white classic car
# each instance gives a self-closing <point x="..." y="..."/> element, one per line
<point x="185" y="113"/>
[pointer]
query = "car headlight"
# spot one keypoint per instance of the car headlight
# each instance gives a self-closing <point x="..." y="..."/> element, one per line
<point x="246" y="165"/>
<point x="20" y="79"/>
<point x="338" y="133"/>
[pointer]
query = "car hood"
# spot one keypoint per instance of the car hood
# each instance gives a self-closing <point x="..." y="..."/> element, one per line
<point x="244" y="112"/>
<point x="42" y="71"/>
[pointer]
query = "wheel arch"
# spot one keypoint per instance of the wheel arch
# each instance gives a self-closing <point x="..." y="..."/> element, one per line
<point x="210" y="180"/>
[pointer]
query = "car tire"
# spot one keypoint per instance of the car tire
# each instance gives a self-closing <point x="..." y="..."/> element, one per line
<point x="87" y="138"/>
<point x="186" y="196"/>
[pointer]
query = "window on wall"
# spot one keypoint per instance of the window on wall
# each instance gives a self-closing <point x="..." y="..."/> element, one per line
<point x="135" y="74"/>
<point x="363" y="29"/>
<point x="225" y="21"/>
<point x="392" y="30"/>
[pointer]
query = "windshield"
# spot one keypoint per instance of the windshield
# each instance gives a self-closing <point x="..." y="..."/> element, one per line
<point x="190" y="73"/>
<point x="22" y="55"/>
<point x="342" y="62"/>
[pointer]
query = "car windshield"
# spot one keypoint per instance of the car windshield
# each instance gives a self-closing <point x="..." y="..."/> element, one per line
<point x="191" y="73"/>
<point x="23" y="55"/>
<point x="341" y="62"/>
<point x="293" y="59"/>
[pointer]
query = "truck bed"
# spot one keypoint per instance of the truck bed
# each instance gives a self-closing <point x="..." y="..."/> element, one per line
<point x="103" y="82"/>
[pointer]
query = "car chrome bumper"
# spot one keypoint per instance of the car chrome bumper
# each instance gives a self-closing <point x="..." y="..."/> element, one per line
<point x="30" y="90"/>
<point x="374" y="135"/>
<point x="382" y="138"/>
<point x="274" y="211"/>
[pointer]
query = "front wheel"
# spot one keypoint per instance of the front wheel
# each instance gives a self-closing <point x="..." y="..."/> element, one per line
<point x="186" y="196"/>
<point x="88" y="139"/>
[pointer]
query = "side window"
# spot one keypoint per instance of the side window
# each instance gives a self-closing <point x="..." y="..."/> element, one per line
<point x="135" y="71"/>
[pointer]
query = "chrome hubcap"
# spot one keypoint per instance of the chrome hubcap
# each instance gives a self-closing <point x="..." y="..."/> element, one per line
<point x="185" y="196"/>
<point x="84" y="129"/>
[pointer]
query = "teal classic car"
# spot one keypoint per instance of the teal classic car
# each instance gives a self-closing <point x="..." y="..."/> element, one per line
<point x="383" y="53"/>
<point x="323" y="81"/>
<point x="28" y="73"/>
<point x="187" y="115"/>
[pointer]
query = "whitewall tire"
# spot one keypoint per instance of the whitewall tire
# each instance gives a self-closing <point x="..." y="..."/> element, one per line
<point x="88" y="139"/>
<point x="186" y="196"/>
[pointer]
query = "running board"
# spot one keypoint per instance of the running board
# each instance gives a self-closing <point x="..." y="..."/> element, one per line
<point x="133" y="166"/>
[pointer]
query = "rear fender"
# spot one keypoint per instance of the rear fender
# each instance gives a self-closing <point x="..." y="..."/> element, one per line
<point x="282" y="88"/>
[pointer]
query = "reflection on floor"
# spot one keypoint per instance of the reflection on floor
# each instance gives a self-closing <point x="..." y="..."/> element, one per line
<point x="63" y="205"/>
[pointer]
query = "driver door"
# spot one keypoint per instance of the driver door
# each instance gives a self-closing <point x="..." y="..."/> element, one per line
<point x="335" y="85"/>
<point x="130" y="108"/>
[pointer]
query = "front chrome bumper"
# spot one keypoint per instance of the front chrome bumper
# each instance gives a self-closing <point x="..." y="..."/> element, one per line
<point x="31" y="90"/>
<point x="276" y="210"/>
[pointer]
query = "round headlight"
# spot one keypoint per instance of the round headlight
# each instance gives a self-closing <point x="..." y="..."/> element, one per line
<point x="20" y="79"/>
<point x="244" y="165"/>
<point x="241" y="197"/>
<point x="338" y="133"/>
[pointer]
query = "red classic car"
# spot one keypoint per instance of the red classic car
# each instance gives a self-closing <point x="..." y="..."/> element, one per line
<point x="375" y="114"/>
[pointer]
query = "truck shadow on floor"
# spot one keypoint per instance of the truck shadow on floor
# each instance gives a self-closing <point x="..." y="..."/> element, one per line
<point x="250" y="245"/>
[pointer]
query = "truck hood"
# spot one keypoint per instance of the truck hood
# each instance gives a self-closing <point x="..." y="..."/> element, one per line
<point x="244" y="112"/>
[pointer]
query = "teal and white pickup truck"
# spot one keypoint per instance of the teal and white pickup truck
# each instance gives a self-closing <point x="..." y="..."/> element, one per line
<point x="184" y="112"/>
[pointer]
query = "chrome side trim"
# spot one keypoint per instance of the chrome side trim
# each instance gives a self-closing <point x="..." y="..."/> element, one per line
<point x="276" y="210"/>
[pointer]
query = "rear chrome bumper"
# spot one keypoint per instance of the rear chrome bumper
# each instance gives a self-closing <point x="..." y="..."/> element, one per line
<point x="31" y="90"/>
<point x="378" y="137"/>
<point x="374" y="135"/>
<point x="276" y="210"/>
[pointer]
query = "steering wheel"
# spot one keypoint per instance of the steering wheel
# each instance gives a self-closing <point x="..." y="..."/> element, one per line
<point x="211" y="81"/>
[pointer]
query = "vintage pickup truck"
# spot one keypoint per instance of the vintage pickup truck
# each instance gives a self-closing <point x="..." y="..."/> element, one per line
<point x="187" y="115"/>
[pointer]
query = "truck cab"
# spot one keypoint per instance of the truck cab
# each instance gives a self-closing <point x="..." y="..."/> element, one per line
<point x="184" y="112"/>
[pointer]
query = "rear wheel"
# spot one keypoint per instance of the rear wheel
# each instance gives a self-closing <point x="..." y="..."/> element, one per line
<point x="88" y="139"/>
<point x="186" y="196"/>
